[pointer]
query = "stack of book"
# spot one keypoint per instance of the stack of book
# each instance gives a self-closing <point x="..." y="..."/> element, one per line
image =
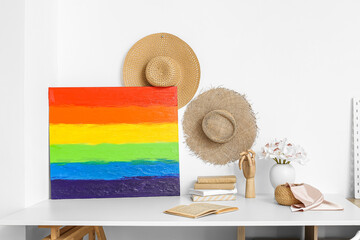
<point x="214" y="188"/>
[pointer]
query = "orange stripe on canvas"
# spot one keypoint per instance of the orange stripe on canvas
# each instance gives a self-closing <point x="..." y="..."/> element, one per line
<point x="108" y="115"/>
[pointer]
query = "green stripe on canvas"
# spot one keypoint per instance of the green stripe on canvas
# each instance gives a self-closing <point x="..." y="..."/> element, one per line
<point x="104" y="153"/>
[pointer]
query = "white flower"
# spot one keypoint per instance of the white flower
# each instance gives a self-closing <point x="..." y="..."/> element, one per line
<point x="284" y="152"/>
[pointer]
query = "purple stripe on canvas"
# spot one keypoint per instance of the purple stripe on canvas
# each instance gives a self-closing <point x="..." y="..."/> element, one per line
<point x="131" y="187"/>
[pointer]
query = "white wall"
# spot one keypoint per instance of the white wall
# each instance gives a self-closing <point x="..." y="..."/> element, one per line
<point x="297" y="61"/>
<point x="12" y="113"/>
<point x="41" y="72"/>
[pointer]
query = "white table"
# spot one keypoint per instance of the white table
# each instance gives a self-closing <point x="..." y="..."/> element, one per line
<point x="261" y="211"/>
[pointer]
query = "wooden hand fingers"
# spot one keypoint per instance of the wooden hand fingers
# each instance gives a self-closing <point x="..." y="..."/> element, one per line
<point x="241" y="161"/>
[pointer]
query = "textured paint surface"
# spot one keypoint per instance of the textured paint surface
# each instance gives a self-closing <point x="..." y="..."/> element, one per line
<point x="112" y="133"/>
<point x="106" y="115"/>
<point x="113" y="142"/>
<point x="113" y="96"/>
<point x="104" y="153"/>
<point x="119" y="170"/>
<point x="131" y="187"/>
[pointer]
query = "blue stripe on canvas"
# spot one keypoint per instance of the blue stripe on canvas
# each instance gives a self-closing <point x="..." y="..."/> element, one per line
<point x="113" y="170"/>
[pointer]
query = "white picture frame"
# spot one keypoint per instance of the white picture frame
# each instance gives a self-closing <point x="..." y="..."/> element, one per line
<point x="356" y="127"/>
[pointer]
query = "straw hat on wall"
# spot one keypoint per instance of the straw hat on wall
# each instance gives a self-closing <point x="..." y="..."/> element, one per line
<point x="219" y="125"/>
<point x="163" y="60"/>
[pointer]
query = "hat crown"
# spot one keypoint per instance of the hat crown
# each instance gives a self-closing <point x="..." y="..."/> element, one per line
<point x="219" y="126"/>
<point x="163" y="71"/>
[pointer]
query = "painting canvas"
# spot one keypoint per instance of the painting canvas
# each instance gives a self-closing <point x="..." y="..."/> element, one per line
<point x="111" y="142"/>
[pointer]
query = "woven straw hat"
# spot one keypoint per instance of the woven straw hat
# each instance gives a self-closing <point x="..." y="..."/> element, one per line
<point x="163" y="60"/>
<point x="219" y="125"/>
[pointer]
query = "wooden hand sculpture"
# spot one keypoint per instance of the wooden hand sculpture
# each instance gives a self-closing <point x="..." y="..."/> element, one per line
<point x="247" y="164"/>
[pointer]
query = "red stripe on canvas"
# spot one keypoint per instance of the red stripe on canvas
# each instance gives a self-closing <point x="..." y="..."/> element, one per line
<point x="113" y="96"/>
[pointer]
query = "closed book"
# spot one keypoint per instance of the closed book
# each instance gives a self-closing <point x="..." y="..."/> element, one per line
<point x="227" y="186"/>
<point x="225" y="197"/>
<point x="211" y="192"/>
<point x="217" y="179"/>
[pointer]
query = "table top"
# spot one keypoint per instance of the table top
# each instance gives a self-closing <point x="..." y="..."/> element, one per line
<point x="261" y="211"/>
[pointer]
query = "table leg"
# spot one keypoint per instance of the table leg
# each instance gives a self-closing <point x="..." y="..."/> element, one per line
<point x="311" y="232"/>
<point x="54" y="232"/>
<point x="92" y="234"/>
<point x="100" y="233"/>
<point x="241" y="233"/>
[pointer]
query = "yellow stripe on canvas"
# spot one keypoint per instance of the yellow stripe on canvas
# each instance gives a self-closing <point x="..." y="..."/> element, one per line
<point x="112" y="133"/>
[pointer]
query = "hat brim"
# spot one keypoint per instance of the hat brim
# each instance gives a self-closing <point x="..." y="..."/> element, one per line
<point x="163" y="44"/>
<point x="219" y="99"/>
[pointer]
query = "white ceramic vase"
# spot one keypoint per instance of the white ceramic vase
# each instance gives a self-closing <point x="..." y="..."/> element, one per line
<point x="282" y="173"/>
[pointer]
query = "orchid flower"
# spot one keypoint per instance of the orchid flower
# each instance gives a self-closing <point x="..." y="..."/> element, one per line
<point x="284" y="152"/>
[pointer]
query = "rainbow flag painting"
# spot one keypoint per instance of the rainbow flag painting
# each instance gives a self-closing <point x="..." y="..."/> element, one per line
<point x="108" y="142"/>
